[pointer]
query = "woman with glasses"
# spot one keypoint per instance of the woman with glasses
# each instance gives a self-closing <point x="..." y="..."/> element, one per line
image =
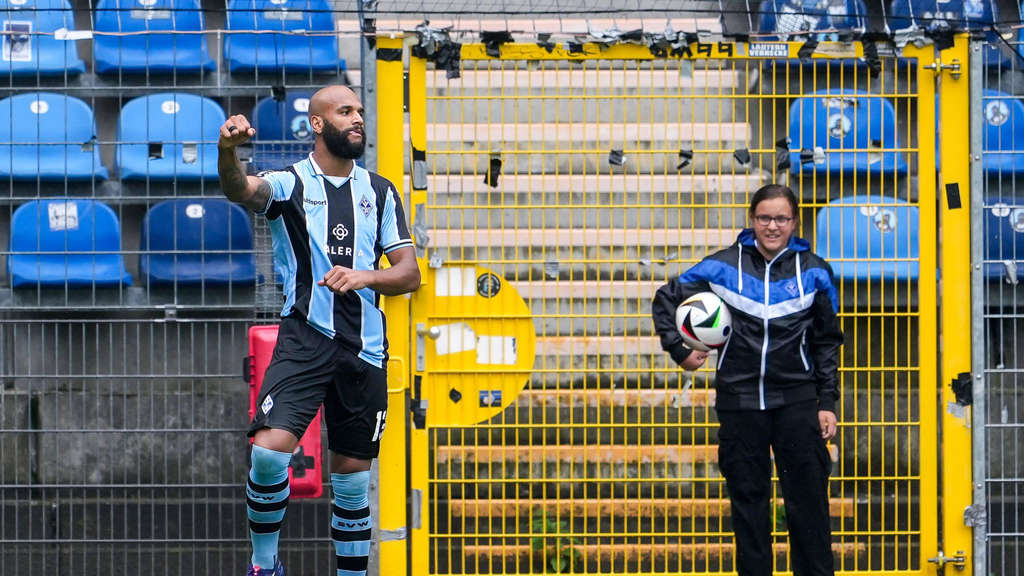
<point x="776" y="383"/>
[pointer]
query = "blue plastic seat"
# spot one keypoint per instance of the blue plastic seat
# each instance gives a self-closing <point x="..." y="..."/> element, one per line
<point x="314" y="50"/>
<point x="283" y="133"/>
<point x="169" y="136"/>
<point x="191" y="242"/>
<point x="1003" y="140"/>
<point x="1004" y="236"/>
<point x="29" y="46"/>
<point x="796" y="20"/>
<point x="65" y="242"/>
<point x="938" y="15"/>
<point x="52" y="138"/>
<point x="855" y="130"/>
<point x="857" y="234"/>
<point x="153" y="52"/>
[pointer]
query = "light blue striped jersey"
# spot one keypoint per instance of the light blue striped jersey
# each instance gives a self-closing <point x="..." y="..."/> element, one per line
<point x="316" y="225"/>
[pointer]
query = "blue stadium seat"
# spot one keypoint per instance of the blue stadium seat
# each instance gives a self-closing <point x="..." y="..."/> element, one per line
<point x="29" y="45"/>
<point x="53" y="139"/>
<point x="938" y="15"/>
<point x="169" y="136"/>
<point x="1004" y="236"/>
<point x="858" y="228"/>
<point x="154" y="52"/>
<point x="1003" y="144"/>
<point x="273" y="52"/>
<point x="205" y="242"/>
<point x="792" y="20"/>
<point x="283" y="133"/>
<point x="66" y="242"/>
<point x="854" y="130"/>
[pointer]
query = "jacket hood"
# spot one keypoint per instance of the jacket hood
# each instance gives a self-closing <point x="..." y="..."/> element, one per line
<point x="796" y="243"/>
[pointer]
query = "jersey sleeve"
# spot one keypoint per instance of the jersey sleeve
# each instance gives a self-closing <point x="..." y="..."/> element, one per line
<point x="394" y="233"/>
<point x="282" y="182"/>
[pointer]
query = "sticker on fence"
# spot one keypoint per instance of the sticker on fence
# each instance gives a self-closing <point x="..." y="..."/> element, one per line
<point x="496" y="350"/>
<point x="454" y="338"/>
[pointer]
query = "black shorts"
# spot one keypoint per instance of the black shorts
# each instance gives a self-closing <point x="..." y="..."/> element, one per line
<point x="309" y="369"/>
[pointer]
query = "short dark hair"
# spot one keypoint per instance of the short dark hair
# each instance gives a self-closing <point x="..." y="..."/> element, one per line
<point x="769" y="191"/>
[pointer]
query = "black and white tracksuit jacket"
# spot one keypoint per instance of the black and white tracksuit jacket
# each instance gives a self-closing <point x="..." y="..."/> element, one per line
<point x="785" y="333"/>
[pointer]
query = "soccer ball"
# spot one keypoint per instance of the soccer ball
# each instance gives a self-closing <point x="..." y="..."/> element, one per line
<point x="704" y="321"/>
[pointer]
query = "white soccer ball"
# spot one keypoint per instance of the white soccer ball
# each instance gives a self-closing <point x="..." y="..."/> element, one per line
<point x="704" y="321"/>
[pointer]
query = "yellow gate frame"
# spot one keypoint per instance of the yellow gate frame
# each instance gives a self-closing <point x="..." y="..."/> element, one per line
<point x="406" y="534"/>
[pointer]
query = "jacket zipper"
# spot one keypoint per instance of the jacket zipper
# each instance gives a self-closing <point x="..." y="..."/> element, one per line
<point x="764" y="315"/>
<point x="803" y="355"/>
<point x="721" y="356"/>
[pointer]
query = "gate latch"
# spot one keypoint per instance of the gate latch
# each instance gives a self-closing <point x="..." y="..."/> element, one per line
<point x="958" y="561"/>
<point x="937" y="66"/>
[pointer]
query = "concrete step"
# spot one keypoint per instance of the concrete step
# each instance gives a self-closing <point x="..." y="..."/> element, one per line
<point x="510" y="508"/>
<point x="692" y="116"/>
<point x="640" y="158"/>
<point x="556" y="239"/>
<point x="628" y="407"/>
<point x="667" y="77"/>
<point x="511" y="549"/>
<point x="639" y="453"/>
<point x="566" y="215"/>
<point x="575" y="132"/>
<point x="597" y="253"/>
<point x="702" y="190"/>
<point x="611" y="398"/>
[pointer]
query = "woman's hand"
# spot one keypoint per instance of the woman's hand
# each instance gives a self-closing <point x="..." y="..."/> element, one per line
<point x="694" y="360"/>
<point x="827" y="421"/>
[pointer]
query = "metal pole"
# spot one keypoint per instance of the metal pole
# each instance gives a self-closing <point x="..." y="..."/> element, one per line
<point x="979" y="417"/>
<point x="368" y="75"/>
<point x="955" y="238"/>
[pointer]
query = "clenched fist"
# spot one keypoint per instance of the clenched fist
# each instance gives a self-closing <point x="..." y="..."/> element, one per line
<point x="341" y="280"/>
<point x="235" y="132"/>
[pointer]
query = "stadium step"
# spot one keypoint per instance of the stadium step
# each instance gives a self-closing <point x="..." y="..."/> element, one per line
<point x="607" y="398"/>
<point x="585" y="454"/>
<point x="611" y="507"/>
<point x="736" y="188"/>
<point x="626" y="81"/>
<point x="576" y="133"/>
<point x="638" y="551"/>
<point x="580" y="238"/>
<point x="564" y="215"/>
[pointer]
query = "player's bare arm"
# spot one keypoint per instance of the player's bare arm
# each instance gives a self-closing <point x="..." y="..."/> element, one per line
<point x="249" y="191"/>
<point x="403" y="276"/>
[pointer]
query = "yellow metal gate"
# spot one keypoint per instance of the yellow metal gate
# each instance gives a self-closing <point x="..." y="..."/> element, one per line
<point x="552" y="191"/>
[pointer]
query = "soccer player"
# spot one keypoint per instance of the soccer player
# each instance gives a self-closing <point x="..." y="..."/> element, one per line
<point x="776" y="385"/>
<point x="331" y="221"/>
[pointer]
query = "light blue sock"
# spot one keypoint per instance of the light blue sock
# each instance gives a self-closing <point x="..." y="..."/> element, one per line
<point x="350" y="522"/>
<point x="266" y="496"/>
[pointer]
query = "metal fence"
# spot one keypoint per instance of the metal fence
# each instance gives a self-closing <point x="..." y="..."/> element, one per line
<point x="128" y="285"/>
<point x="552" y="188"/>
<point x="997" y="243"/>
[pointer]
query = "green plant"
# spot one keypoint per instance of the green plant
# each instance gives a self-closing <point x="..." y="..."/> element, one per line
<point x="780" y="516"/>
<point x="559" y="552"/>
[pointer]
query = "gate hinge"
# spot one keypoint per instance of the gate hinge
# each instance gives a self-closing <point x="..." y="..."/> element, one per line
<point x="937" y="67"/>
<point x="959" y="561"/>
<point x="975" y="516"/>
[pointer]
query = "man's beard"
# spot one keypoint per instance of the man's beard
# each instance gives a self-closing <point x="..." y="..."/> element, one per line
<point x="337" y="142"/>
